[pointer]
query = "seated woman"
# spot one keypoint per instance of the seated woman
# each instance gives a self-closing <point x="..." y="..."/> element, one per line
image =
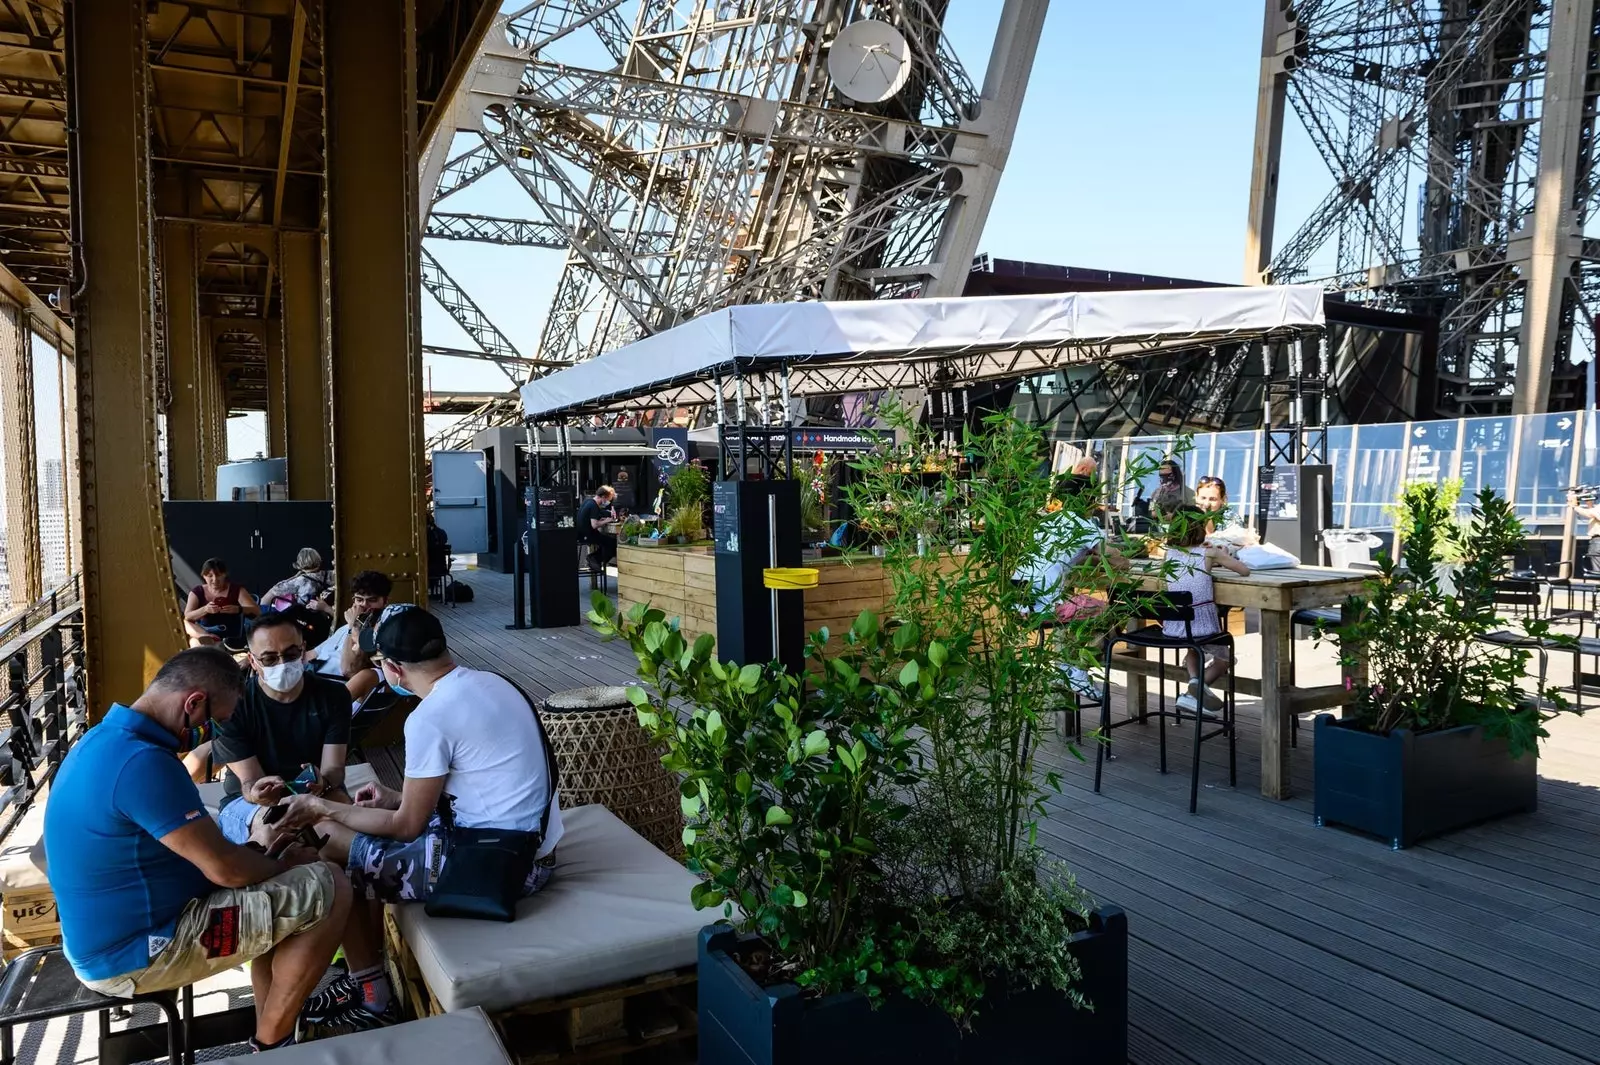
<point x="302" y="596"/>
<point x="1223" y="529"/>
<point x="216" y="608"/>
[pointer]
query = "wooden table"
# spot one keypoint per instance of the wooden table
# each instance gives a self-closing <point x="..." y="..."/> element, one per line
<point x="1278" y="594"/>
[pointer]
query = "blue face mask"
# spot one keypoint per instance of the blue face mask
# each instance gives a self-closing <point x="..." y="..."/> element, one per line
<point x="396" y="687"/>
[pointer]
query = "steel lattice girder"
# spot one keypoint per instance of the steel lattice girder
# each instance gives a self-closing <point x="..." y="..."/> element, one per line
<point x="515" y="232"/>
<point x="717" y="164"/>
<point x="460" y="306"/>
<point x="1455" y="92"/>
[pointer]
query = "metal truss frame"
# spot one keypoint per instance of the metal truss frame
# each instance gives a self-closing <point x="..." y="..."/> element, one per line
<point x="715" y="163"/>
<point x="1449" y="116"/>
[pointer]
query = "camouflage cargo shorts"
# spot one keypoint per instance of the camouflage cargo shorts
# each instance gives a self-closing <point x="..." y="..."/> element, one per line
<point x="389" y="870"/>
<point x="229" y="927"/>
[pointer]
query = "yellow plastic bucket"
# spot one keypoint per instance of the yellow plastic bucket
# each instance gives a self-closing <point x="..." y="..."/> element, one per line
<point x="786" y="579"/>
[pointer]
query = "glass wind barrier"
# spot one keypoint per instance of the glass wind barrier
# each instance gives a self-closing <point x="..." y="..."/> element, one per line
<point x="1531" y="459"/>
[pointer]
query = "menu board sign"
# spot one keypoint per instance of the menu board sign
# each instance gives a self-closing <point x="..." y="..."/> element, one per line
<point x="1278" y="489"/>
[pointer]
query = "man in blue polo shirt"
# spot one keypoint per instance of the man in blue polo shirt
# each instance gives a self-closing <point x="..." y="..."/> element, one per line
<point x="151" y="896"/>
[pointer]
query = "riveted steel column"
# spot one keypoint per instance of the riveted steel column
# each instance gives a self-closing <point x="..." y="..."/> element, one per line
<point x="1271" y="102"/>
<point x="21" y="456"/>
<point x="277" y="428"/>
<point x="305" y="391"/>
<point x="206" y="409"/>
<point x="186" y="347"/>
<point x="131" y="622"/>
<point x="1556" y="234"/>
<point x="374" y="292"/>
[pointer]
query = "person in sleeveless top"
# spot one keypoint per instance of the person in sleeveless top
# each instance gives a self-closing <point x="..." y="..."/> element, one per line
<point x="217" y="607"/>
<point x="1190" y="562"/>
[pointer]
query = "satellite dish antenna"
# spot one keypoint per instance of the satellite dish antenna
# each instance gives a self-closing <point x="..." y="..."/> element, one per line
<point x="869" y="61"/>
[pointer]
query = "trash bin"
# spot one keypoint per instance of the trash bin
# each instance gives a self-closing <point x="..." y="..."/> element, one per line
<point x="1348" y="548"/>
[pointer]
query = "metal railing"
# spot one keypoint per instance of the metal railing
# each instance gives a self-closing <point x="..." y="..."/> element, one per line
<point x="44" y="711"/>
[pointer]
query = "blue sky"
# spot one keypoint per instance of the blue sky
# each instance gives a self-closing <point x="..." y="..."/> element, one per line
<point x="1133" y="153"/>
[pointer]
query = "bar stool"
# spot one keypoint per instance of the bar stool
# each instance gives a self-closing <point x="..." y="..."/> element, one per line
<point x="39" y="985"/>
<point x="1329" y="616"/>
<point x="587" y="560"/>
<point x="1153" y="608"/>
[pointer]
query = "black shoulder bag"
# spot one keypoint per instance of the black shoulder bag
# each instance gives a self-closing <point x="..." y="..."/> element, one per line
<point x="487" y="869"/>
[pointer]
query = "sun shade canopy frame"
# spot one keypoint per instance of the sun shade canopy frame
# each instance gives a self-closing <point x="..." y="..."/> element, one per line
<point x="868" y="346"/>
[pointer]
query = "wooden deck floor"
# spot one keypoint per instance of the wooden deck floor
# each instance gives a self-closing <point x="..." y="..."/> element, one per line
<point x="1258" y="937"/>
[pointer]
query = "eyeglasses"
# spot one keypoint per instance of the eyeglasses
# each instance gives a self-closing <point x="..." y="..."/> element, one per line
<point x="1210" y="482"/>
<point x="272" y="658"/>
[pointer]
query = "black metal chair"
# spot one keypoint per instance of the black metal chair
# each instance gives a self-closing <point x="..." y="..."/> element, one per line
<point x="1153" y="608"/>
<point x="39" y="985"/>
<point x="1523" y="596"/>
<point x="1520" y="595"/>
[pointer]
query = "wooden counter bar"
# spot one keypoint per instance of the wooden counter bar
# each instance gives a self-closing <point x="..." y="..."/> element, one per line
<point x="682" y="581"/>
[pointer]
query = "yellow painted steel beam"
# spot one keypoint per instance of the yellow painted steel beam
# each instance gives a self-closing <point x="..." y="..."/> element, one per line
<point x="305" y="378"/>
<point x="131" y="622"/>
<point x="185" y="349"/>
<point x="277" y="415"/>
<point x="205" y="390"/>
<point x="21" y="467"/>
<point x="374" y="292"/>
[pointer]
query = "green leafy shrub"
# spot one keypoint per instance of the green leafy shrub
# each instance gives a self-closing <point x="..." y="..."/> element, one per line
<point x="953" y="546"/>
<point x="1425" y="663"/>
<point x="689" y="485"/>
<point x="1443" y="505"/>
<point x="788" y="785"/>
<point x="875" y="819"/>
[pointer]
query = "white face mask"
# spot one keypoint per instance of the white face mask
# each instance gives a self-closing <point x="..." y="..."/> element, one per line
<point x="283" y="676"/>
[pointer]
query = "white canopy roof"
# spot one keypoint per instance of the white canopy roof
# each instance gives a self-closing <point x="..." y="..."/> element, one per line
<point x="832" y="348"/>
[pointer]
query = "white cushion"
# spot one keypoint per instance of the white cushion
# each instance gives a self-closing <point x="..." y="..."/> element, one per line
<point x="464" y="1037"/>
<point x="22" y="865"/>
<point x="615" y="910"/>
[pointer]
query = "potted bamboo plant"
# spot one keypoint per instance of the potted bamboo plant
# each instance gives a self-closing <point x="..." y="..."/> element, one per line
<point x="1444" y="725"/>
<point x="868" y="830"/>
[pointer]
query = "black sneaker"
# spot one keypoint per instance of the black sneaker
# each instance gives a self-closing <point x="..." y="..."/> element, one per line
<point x="332" y="1001"/>
<point x="356" y="1017"/>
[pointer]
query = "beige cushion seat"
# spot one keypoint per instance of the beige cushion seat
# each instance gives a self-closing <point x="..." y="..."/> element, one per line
<point x="450" y="1037"/>
<point x="616" y="909"/>
<point x="22" y="865"/>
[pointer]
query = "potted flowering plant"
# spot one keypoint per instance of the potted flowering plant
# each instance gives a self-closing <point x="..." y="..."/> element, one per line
<point x="1444" y="726"/>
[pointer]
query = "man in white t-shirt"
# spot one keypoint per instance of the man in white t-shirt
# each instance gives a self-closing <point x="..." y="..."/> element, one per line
<point x="475" y="758"/>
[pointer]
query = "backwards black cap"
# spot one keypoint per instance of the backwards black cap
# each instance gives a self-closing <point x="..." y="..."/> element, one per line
<point x="405" y="633"/>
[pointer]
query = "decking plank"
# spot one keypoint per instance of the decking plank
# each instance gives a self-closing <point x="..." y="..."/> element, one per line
<point x="1258" y="937"/>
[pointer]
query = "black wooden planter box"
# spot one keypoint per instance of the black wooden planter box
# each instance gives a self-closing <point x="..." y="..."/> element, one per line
<point x="1408" y="785"/>
<point x="743" y="1023"/>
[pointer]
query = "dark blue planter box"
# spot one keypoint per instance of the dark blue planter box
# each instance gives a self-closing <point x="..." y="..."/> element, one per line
<point x="1407" y="786"/>
<point x="743" y="1023"/>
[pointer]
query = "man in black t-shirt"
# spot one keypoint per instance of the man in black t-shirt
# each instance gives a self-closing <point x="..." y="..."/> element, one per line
<point x="288" y="717"/>
<point x="594" y="517"/>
